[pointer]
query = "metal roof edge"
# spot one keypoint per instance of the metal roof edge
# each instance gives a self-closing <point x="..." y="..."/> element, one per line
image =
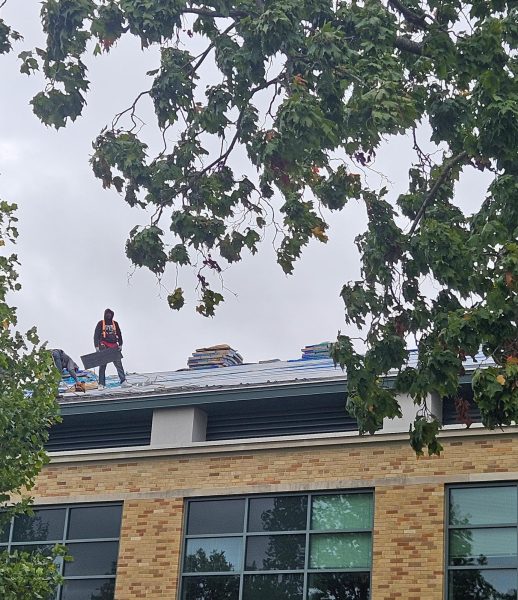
<point x="171" y="399"/>
<point x="212" y="395"/>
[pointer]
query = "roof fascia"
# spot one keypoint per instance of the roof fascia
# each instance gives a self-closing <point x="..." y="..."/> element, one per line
<point x="209" y="396"/>
<point x="203" y="397"/>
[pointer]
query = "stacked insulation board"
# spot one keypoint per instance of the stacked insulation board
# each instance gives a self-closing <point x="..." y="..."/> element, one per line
<point x="316" y="351"/>
<point x="213" y="357"/>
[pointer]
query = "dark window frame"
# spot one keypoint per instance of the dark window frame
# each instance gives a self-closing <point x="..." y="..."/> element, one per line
<point x="449" y="569"/>
<point x="306" y="571"/>
<point x="11" y="545"/>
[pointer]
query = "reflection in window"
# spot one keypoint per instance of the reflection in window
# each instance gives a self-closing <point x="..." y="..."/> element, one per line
<point x="340" y="551"/>
<point x="469" y="506"/>
<point x="216" y="516"/>
<point x="338" y="586"/>
<point x="483" y="557"/>
<point x="209" y="555"/>
<point x="44" y="525"/>
<point x="89" y="589"/>
<point x="5" y="527"/>
<point x="489" y="547"/>
<point x="45" y="549"/>
<point x="278" y="513"/>
<point x="88" y="522"/>
<point x="221" y="587"/>
<point x="273" y="587"/>
<point x="487" y="584"/>
<point x="91" y="535"/>
<point x="342" y="511"/>
<point x="275" y="552"/>
<point x="286" y="547"/>
<point x="92" y="559"/>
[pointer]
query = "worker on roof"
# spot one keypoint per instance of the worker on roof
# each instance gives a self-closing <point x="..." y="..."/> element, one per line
<point x="108" y="335"/>
<point x="63" y="361"/>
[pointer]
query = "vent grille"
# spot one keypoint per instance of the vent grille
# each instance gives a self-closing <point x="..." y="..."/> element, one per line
<point x="101" y="430"/>
<point x="449" y="412"/>
<point x="315" y="417"/>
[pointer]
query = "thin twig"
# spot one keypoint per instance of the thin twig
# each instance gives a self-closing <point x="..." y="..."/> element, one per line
<point x="131" y="109"/>
<point x="435" y="188"/>
<point x="270" y="107"/>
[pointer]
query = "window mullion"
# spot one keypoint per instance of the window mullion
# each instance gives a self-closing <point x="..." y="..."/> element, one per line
<point x="243" y="549"/>
<point x="309" y="504"/>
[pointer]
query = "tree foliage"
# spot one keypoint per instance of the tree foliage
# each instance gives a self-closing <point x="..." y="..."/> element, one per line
<point x="28" y="383"/>
<point x="307" y="89"/>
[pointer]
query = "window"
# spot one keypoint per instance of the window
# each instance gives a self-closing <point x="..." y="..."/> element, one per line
<point x="91" y="535"/>
<point x="482" y="557"/>
<point x="290" y="547"/>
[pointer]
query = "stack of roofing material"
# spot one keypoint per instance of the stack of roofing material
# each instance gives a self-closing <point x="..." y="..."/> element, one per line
<point x="316" y="351"/>
<point x="214" y="357"/>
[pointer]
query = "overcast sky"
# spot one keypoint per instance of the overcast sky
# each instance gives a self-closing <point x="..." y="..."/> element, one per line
<point x="72" y="236"/>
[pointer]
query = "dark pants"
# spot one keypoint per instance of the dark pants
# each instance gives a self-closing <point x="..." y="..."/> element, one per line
<point x="68" y="365"/>
<point x="118" y="366"/>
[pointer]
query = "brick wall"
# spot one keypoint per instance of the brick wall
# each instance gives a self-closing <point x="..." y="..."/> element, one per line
<point x="409" y="500"/>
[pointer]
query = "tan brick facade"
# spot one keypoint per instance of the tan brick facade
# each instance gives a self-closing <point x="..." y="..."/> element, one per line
<point x="408" y="552"/>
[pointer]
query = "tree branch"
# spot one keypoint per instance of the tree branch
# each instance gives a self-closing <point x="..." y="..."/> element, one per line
<point x="408" y="45"/>
<point x="223" y="157"/>
<point x="435" y="188"/>
<point x="130" y="109"/>
<point x="204" y="55"/>
<point x="409" y="15"/>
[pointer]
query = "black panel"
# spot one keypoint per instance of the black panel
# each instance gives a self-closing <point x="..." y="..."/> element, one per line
<point x="102" y="357"/>
<point x="101" y="430"/>
<point x="307" y="415"/>
<point x="452" y="413"/>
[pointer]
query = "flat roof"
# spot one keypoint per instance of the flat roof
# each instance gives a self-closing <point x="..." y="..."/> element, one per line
<point x="223" y="384"/>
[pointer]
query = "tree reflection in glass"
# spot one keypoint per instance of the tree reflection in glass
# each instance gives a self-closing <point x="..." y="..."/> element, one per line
<point x="280" y="513"/>
<point x="340" y="551"/>
<point x="273" y="587"/>
<point x="476" y="584"/>
<point x="106" y="591"/>
<point x="275" y="552"/>
<point x="216" y="560"/>
<point x="339" y="586"/>
<point x="209" y="587"/>
<point x="215" y="587"/>
<point x="341" y="512"/>
<point x="480" y="547"/>
<point x="45" y="524"/>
